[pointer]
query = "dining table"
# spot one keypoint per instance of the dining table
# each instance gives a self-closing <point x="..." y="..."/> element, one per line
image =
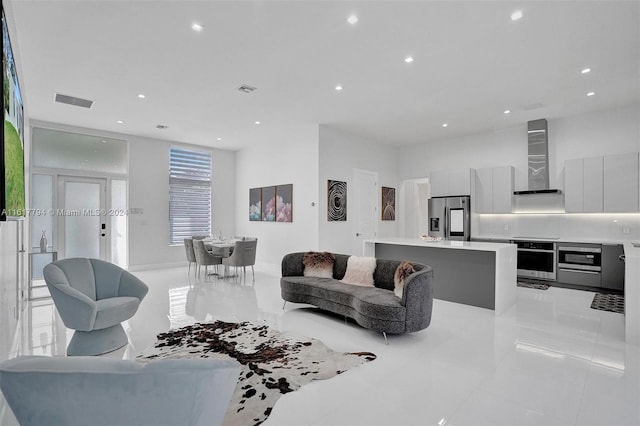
<point x="224" y="249"/>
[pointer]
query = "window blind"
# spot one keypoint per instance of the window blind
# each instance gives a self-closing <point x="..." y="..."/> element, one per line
<point x="189" y="194"/>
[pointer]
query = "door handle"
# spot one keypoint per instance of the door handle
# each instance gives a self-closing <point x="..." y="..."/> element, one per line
<point x="358" y="234"/>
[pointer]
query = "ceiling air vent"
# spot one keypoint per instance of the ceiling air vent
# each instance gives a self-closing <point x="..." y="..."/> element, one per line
<point x="246" y="88"/>
<point x="72" y="100"/>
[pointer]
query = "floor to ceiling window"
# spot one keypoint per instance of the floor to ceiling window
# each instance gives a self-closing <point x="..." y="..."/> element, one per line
<point x="189" y="194"/>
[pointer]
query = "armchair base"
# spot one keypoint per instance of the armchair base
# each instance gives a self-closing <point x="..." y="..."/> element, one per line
<point x="97" y="342"/>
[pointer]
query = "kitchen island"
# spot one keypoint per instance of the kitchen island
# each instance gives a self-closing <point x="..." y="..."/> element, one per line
<point x="473" y="273"/>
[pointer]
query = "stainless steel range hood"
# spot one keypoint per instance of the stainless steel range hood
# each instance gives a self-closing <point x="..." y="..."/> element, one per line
<point x="538" y="159"/>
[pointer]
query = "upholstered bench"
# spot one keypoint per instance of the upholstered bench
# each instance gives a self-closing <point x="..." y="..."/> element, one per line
<point x="374" y="306"/>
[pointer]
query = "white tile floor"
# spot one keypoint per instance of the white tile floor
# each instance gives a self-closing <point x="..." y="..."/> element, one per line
<point x="549" y="360"/>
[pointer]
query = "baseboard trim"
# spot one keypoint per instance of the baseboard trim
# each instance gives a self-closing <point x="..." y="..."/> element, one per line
<point x="151" y="266"/>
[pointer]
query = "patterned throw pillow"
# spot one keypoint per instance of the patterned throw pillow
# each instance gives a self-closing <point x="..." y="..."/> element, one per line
<point x="318" y="264"/>
<point x="360" y="271"/>
<point x="402" y="272"/>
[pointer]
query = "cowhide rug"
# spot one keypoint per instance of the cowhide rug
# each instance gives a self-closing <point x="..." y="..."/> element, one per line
<point x="273" y="363"/>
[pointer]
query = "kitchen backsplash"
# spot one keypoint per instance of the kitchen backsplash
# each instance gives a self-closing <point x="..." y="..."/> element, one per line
<point x="596" y="227"/>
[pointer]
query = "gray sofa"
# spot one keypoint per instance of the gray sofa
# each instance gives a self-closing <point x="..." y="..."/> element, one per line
<point x="376" y="308"/>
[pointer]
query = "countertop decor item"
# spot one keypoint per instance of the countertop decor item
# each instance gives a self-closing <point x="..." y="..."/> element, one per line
<point x="43" y="241"/>
<point x="273" y="363"/>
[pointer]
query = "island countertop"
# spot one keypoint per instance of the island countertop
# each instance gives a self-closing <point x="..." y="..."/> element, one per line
<point x="447" y="244"/>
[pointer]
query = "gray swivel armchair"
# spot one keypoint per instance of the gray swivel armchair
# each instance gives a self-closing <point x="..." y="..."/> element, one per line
<point x="244" y="254"/>
<point x="191" y="256"/>
<point x="203" y="257"/>
<point x="93" y="297"/>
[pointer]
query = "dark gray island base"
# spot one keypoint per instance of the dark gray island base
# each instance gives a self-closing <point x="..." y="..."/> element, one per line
<point x="467" y="276"/>
<point x="472" y="273"/>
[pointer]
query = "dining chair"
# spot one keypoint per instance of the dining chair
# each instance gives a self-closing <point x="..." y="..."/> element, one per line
<point x="191" y="256"/>
<point x="244" y="254"/>
<point x="198" y="237"/>
<point x="203" y="257"/>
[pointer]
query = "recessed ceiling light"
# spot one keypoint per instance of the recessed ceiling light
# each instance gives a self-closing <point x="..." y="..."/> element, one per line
<point x="516" y="15"/>
<point x="219" y="139"/>
<point x="445" y="125"/>
<point x="197" y="27"/>
<point x="507" y="111"/>
<point x="141" y="96"/>
<point x="586" y="70"/>
<point x="352" y="19"/>
<point x="408" y="59"/>
<point x="120" y="122"/>
<point x="338" y="88"/>
<point x="257" y="122"/>
<point x="104" y="141"/>
<point x="591" y="93"/>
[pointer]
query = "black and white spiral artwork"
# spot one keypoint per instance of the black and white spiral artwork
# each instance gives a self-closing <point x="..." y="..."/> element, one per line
<point x="337" y="202"/>
<point x="388" y="203"/>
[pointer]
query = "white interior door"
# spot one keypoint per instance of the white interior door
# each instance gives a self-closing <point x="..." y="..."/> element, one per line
<point x="366" y="208"/>
<point x="82" y="217"/>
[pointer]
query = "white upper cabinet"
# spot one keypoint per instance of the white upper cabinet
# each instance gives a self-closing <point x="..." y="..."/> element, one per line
<point x="574" y="185"/>
<point x="607" y="184"/>
<point x="583" y="185"/>
<point x="448" y="183"/>
<point x="460" y="182"/>
<point x="503" y="178"/>
<point x="593" y="201"/>
<point x="494" y="190"/>
<point x="483" y="196"/>
<point x="621" y="183"/>
<point x="439" y="182"/>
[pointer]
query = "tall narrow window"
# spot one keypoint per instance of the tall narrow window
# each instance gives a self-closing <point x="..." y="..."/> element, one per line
<point x="189" y="194"/>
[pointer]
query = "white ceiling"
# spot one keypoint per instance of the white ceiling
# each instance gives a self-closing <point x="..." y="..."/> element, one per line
<point x="471" y="63"/>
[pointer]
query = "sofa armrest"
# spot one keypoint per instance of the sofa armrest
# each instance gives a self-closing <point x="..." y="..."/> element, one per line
<point x="417" y="298"/>
<point x="292" y="265"/>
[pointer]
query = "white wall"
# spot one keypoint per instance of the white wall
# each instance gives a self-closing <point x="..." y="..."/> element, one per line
<point x="289" y="160"/>
<point x="340" y="153"/>
<point x="8" y="284"/>
<point x="615" y="131"/>
<point x="149" y="190"/>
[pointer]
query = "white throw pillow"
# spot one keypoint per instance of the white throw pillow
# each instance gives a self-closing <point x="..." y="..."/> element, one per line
<point x="360" y="271"/>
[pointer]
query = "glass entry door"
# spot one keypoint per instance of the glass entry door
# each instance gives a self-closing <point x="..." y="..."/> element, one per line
<point x="82" y="217"/>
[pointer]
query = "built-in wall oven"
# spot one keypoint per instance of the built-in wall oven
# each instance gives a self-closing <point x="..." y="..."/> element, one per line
<point x="580" y="264"/>
<point x="537" y="259"/>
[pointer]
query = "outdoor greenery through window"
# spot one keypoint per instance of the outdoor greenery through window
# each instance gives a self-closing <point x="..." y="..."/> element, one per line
<point x="189" y="194"/>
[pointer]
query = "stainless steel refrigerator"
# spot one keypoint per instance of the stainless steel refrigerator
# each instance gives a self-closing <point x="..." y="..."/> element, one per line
<point x="450" y="218"/>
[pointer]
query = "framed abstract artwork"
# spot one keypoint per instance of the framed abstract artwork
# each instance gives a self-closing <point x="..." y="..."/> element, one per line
<point x="336" y="201"/>
<point x="269" y="204"/>
<point x="388" y="203"/>
<point x="284" y="203"/>
<point x="255" y="204"/>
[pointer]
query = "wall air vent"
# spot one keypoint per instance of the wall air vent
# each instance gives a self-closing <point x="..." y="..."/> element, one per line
<point x="72" y="100"/>
<point x="162" y="126"/>
<point x="246" y="88"/>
